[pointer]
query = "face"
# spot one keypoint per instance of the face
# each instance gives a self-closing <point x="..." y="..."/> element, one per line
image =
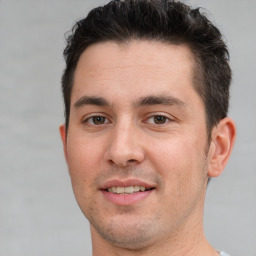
<point x="136" y="145"/>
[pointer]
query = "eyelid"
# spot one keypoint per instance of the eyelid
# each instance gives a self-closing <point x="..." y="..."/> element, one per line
<point x="85" y="119"/>
<point x="152" y="115"/>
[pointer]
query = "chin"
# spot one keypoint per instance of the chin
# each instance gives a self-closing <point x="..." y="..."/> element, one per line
<point x="136" y="234"/>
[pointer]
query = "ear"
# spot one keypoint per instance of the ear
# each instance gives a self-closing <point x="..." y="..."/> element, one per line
<point x="63" y="134"/>
<point x="222" y="142"/>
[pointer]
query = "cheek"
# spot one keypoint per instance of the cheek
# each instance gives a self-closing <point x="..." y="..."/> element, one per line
<point x="170" y="154"/>
<point x="84" y="161"/>
<point x="180" y="162"/>
<point x="180" y="165"/>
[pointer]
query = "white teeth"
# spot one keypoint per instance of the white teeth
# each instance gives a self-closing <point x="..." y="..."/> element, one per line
<point x="142" y="188"/>
<point x="126" y="190"/>
<point x="136" y="188"/>
<point x="119" y="190"/>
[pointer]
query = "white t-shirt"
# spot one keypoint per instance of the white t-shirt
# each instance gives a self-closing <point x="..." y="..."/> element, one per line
<point x="223" y="254"/>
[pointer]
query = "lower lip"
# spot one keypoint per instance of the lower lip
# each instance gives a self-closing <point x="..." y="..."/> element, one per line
<point x="126" y="199"/>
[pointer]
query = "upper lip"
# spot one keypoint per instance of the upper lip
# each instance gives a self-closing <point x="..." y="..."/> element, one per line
<point x="126" y="183"/>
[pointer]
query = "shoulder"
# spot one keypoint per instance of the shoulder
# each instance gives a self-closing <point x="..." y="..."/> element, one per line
<point x="224" y="254"/>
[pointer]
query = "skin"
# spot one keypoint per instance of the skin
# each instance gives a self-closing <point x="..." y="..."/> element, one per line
<point x="127" y="142"/>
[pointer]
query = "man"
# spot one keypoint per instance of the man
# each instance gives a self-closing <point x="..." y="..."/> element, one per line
<point x="146" y="91"/>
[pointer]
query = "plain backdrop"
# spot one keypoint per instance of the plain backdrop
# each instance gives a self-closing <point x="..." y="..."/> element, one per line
<point x="38" y="212"/>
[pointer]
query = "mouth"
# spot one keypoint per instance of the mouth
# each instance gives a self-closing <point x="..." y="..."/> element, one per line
<point x="126" y="193"/>
<point x="128" y="190"/>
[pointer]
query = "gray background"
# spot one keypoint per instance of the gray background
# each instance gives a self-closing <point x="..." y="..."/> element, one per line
<point x="38" y="212"/>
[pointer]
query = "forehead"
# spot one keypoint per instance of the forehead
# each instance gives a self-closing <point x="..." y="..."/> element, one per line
<point x="134" y="68"/>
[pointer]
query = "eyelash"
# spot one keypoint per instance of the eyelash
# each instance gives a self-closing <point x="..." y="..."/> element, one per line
<point x="91" y="120"/>
<point x="159" y="119"/>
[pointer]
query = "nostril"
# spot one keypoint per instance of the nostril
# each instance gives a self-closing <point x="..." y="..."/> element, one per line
<point x="131" y="160"/>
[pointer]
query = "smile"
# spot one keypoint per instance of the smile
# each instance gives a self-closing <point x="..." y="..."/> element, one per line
<point x="125" y="193"/>
<point x="127" y="190"/>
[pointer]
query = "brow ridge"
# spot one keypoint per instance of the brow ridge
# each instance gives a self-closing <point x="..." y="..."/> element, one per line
<point x="143" y="101"/>
<point x="159" y="100"/>
<point x="91" y="100"/>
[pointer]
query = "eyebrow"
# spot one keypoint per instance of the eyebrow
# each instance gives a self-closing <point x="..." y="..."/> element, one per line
<point x="160" y="100"/>
<point x="144" y="101"/>
<point x="87" y="100"/>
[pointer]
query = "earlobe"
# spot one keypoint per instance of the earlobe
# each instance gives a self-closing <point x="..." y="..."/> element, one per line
<point x="63" y="134"/>
<point x="222" y="142"/>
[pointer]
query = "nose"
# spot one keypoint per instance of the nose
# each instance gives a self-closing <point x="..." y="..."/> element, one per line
<point x="125" y="146"/>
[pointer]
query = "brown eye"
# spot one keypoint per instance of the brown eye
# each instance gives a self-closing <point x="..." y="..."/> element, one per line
<point x="160" y="119"/>
<point x="98" y="120"/>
